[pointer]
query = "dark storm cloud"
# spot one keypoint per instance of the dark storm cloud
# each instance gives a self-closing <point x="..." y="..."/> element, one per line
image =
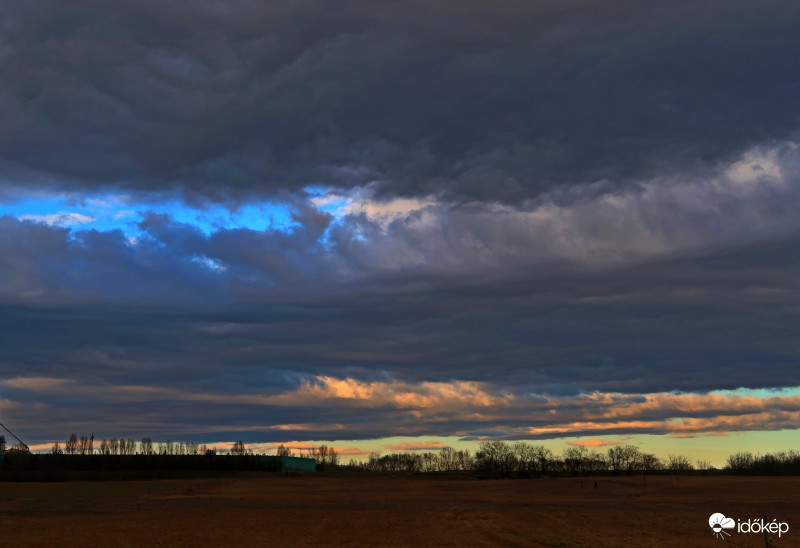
<point x="473" y="100"/>
<point x="602" y="211"/>
<point x="190" y="339"/>
<point x="639" y="290"/>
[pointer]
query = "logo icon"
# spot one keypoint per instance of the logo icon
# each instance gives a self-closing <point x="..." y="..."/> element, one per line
<point x="718" y="523"/>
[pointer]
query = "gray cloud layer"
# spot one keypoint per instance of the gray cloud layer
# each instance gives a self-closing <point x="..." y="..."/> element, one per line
<point x="689" y="284"/>
<point x="474" y="101"/>
<point x="602" y="198"/>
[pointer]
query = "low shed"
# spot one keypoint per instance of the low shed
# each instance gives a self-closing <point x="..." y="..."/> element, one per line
<point x="298" y="464"/>
<point x="275" y="463"/>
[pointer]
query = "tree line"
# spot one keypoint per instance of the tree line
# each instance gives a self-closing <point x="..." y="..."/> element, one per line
<point x="323" y="455"/>
<point x="493" y="458"/>
<point x="521" y="459"/>
<point x="782" y="463"/>
<point x="84" y="445"/>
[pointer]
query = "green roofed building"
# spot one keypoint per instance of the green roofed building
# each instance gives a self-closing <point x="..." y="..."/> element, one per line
<point x="289" y="464"/>
<point x="298" y="464"/>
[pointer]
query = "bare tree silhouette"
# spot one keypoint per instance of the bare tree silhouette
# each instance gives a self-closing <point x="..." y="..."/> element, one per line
<point x="238" y="448"/>
<point x="71" y="446"/>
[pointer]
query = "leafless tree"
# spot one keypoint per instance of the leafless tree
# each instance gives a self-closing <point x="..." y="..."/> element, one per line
<point x="495" y="458"/>
<point x="83" y="445"/>
<point x="71" y="446"/>
<point x="647" y="462"/>
<point x="447" y="459"/>
<point x="576" y="459"/>
<point x="372" y="461"/>
<point x="429" y="462"/>
<point x="525" y="456"/>
<point x="464" y="460"/>
<point x="623" y="458"/>
<point x="740" y="462"/>
<point x="702" y="465"/>
<point x="238" y="448"/>
<point x="679" y="463"/>
<point x="544" y="459"/>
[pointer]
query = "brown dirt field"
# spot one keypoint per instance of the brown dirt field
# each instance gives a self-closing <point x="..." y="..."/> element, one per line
<point x="393" y="511"/>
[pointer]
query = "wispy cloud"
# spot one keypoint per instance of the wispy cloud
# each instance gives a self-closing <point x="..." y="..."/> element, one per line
<point x="305" y="448"/>
<point x="406" y="409"/>
<point x="405" y="446"/>
<point x="60" y="219"/>
<point x="593" y="443"/>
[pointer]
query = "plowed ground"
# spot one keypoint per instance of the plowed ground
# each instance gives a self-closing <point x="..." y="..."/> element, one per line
<point x="318" y="510"/>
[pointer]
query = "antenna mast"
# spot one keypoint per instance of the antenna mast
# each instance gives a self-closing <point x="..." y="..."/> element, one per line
<point x="13" y="435"/>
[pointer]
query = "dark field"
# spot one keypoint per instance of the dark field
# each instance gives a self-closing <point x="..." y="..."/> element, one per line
<point x="393" y="511"/>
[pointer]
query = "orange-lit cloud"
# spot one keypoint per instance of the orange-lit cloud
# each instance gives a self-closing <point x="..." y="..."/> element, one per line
<point x="425" y="395"/>
<point x="401" y="408"/>
<point x="593" y="443"/>
<point x="405" y="446"/>
<point x="36" y="384"/>
<point x="304" y="427"/>
<point x="304" y="448"/>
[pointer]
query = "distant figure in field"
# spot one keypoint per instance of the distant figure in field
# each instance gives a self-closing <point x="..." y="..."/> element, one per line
<point x="595" y="484"/>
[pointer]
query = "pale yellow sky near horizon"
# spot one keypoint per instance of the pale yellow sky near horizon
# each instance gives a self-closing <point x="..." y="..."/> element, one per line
<point x="712" y="448"/>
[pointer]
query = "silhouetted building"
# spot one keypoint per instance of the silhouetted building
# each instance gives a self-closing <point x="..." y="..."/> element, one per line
<point x="288" y="464"/>
<point x="298" y="464"/>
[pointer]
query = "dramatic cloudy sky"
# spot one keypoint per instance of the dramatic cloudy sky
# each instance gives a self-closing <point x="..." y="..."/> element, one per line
<point x="296" y="221"/>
